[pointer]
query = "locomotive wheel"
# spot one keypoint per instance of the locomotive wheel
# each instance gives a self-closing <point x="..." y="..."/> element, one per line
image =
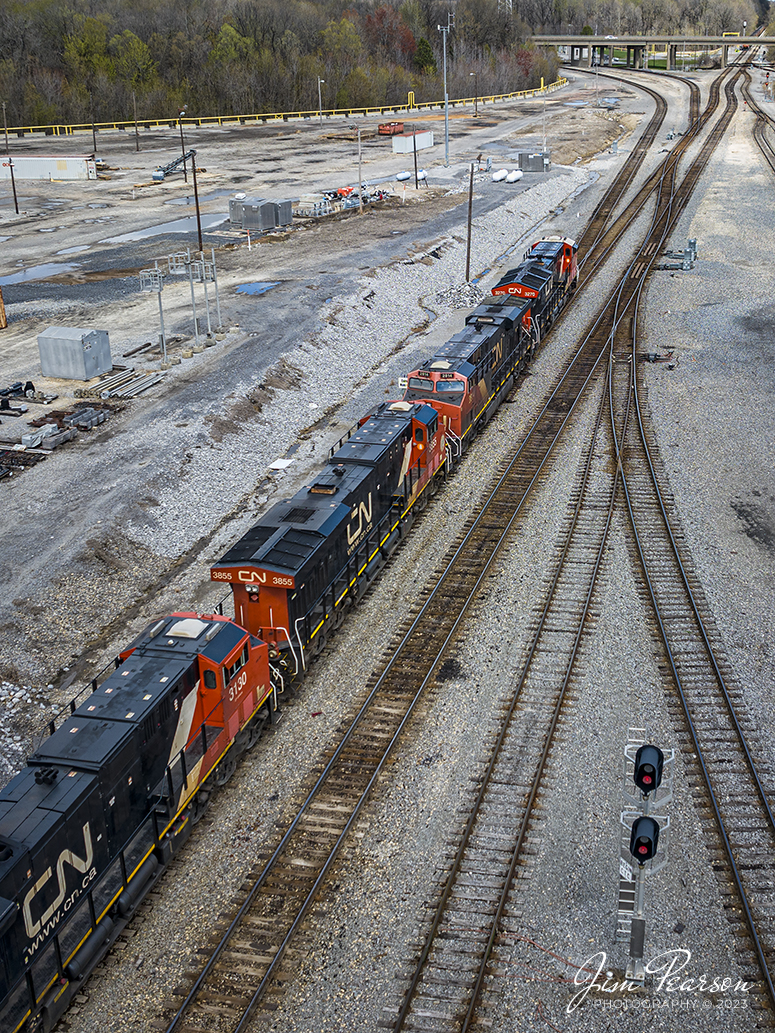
<point x="421" y="503"/>
<point x="337" y="620"/>
<point x="225" y="769"/>
<point x="200" y="805"/>
<point x="319" y="643"/>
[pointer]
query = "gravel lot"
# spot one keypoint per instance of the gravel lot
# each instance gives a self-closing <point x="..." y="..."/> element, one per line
<point x="718" y="319"/>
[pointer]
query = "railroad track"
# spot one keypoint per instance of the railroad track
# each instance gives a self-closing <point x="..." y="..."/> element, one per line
<point x="764" y="124"/>
<point x="245" y="965"/>
<point x="445" y="988"/>
<point x="723" y="736"/>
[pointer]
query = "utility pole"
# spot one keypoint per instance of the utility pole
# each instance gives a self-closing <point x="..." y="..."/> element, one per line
<point x="137" y="134"/>
<point x="470" y="209"/>
<point x="93" y="130"/>
<point x="182" y="145"/>
<point x="196" y="198"/>
<point x="5" y="129"/>
<point x="320" y="101"/>
<point x="444" y="30"/>
<point x="13" y="187"/>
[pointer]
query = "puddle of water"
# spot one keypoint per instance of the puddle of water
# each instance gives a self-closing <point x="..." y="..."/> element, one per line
<point x="48" y="229"/>
<point x="256" y="288"/>
<point x="189" y="199"/>
<point x="98" y="206"/>
<point x="176" y="226"/>
<point x="4" y="238"/>
<point x="39" y="272"/>
<point x="73" y="250"/>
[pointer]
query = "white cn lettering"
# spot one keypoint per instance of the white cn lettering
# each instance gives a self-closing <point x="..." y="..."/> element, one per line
<point x="363" y="512"/>
<point x="72" y="859"/>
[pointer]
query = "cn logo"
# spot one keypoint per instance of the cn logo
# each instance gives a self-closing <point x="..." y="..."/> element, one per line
<point x="67" y="856"/>
<point x="249" y="577"/>
<point x="363" y="512"/>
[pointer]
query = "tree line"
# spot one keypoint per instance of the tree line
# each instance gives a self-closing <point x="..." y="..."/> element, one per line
<point x="84" y="60"/>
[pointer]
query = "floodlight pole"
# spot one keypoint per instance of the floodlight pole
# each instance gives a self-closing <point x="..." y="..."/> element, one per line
<point x="470" y="209"/>
<point x="5" y="129"/>
<point x="444" y="30"/>
<point x="182" y="144"/>
<point x="476" y="93"/>
<point x="320" y="101"/>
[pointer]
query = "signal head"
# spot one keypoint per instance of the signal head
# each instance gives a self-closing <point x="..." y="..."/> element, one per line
<point x="649" y="761"/>
<point x="644" y="839"/>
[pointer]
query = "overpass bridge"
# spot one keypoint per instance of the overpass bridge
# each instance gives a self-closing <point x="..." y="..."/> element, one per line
<point x="587" y="51"/>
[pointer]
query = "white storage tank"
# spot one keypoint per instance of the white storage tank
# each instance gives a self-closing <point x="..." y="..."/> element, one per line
<point x="406" y="144"/>
<point x="49" y="167"/>
<point x="74" y="353"/>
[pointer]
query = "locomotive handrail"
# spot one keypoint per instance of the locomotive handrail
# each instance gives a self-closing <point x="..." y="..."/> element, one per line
<point x="72" y="705"/>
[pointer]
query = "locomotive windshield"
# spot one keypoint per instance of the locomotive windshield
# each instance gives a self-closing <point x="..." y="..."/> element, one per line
<point x="452" y="391"/>
<point x="418" y="390"/>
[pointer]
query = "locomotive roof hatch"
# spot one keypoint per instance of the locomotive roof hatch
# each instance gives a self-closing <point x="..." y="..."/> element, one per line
<point x="289" y="546"/>
<point x="372" y="439"/>
<point x="503" y="309"/>
<point x="528" y="278"/>
<point x="30" y="810"/>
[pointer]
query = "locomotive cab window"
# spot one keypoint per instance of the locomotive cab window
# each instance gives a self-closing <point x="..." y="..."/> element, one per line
<point x="239" y="663"/>
<point x="209" y="679"/>
<point x="419" y="434"/>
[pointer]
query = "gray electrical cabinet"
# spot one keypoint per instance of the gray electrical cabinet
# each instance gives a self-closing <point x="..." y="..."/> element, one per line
<point x="258" y="214"/>
<point x="284" y="212"/>
<point x="72" y="353"/>
<point x="534" y="161"/>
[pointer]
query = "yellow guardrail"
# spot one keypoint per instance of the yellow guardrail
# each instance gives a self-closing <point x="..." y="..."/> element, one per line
<point x="276" y="116"/>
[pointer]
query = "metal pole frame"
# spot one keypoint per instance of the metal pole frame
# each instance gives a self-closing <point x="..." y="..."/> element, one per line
<point x="207" y="296"/>
<point x="360" y="177"/>
<point x="163" y="335"/>
<point x="217" y="296"/>
<point x="193" y="301"/>
<point x="196" y="198"/>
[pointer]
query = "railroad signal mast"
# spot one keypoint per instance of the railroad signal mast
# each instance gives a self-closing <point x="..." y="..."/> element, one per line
<point x="643" y="853"/>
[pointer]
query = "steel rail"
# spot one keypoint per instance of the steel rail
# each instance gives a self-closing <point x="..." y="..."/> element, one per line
<point x="750" y="921"/>
<point x="620" y="307"/>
